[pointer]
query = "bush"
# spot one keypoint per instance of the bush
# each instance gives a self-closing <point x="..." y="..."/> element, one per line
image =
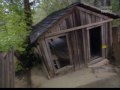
<point x="18" y="67"/>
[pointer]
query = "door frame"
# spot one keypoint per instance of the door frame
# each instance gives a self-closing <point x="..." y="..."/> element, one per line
<point x="88" y="42"/>
<point x="58" y="71"/>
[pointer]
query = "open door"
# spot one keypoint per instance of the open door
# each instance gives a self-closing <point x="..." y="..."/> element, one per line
<point x="95" y="43"/>
<point x="59" y="53"/>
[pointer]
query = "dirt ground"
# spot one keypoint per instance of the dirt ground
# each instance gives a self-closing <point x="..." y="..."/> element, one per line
<point x="101" y="77"/>
<point x="111" y="82"/>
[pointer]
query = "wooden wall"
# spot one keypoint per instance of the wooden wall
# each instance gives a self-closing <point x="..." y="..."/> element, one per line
<point x="116" y="45"/>
<point x="6" y="70"/>
<point x="78" y="40"/>
<point x="79" y="16"/>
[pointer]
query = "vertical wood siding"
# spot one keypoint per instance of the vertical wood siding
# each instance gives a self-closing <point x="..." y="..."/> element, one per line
<point x="79" y="49"/>
<point x="7" y="72"/>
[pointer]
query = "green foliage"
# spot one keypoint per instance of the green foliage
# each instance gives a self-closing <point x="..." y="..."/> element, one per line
<point x="116" y="9"/>
<point x="13" y="28"/>
<point x="46" y="7"/>
<point x="38" y="15"/>
<point x="115" y="6"/>
<point x="18" y="67"/>
<point x="50" y="6"/>
<point x="116" y="22"/>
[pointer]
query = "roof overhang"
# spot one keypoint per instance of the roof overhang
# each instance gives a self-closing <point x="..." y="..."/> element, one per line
<point x="40" y="28"/>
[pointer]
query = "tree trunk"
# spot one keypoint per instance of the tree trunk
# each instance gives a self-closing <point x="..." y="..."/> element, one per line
<point x="28" y="20"/>
<point x="95" y="2"/>
<point x="102" y="2"/>
<point x="25" y="57"/>
<point x="119" y="3"/>
<point x="28" y="16"/>
<point x="108" y="2"/>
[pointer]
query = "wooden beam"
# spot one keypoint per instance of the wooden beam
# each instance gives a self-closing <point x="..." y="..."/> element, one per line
<point x="45" y="66"/>
<point x="69" y="49"/>
<point x="77" y="28"/>
<point x="93" y="13"/>
<point x="47" y="58"/>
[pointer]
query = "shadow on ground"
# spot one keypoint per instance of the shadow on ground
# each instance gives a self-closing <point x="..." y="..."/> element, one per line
<point x="112" y="82"/>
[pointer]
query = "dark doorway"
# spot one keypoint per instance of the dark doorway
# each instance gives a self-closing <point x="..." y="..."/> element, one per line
<point x="95" y="43"/>
<point x="59" y="51"/>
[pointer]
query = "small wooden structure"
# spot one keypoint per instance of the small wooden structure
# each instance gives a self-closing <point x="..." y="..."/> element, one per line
<point x="73" y="37"/>
<point x="7" y="71"/>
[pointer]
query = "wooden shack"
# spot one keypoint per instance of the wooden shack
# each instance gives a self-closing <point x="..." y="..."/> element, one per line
<point x="76" y="36"/>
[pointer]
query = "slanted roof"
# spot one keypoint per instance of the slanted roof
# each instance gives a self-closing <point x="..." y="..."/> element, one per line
<point x="44" y="25"/>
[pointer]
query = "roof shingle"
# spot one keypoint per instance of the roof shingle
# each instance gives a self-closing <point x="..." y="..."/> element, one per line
<point x="44" y="25"/>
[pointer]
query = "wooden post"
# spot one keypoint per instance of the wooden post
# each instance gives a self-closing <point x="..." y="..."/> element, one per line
<point x="116" y="45"/>
<point x="7" y="72"/>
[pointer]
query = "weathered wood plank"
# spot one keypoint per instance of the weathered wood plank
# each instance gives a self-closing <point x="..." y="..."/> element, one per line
<point x="89" y="49"/>
<point x="63" y="25"/>
<point x="75" y="42"/>
<point x="13" y="70"/>
<point x="50" y="54"/>
<point x="103" y="41"/>
<point x="45" y="66"/>
<point x="90" y="12"/>
<point x="110" y="39"/>
<point x="2" y="73"/>
<point x="49" y="62"/>
<point x="69" y="49"/>
<point x="45" y="70"/>
<point x="105" y="38"/>
<point x="82" y="17"/>
<point x="110" y="30"/>
<point x="116" y="46"/>
<point x="77" y="28"/>
<point x="69" y="22"/>
<point x="7" y="70"/>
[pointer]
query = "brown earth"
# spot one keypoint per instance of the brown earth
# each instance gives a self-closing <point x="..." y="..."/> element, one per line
<point x="99" y="77"/>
